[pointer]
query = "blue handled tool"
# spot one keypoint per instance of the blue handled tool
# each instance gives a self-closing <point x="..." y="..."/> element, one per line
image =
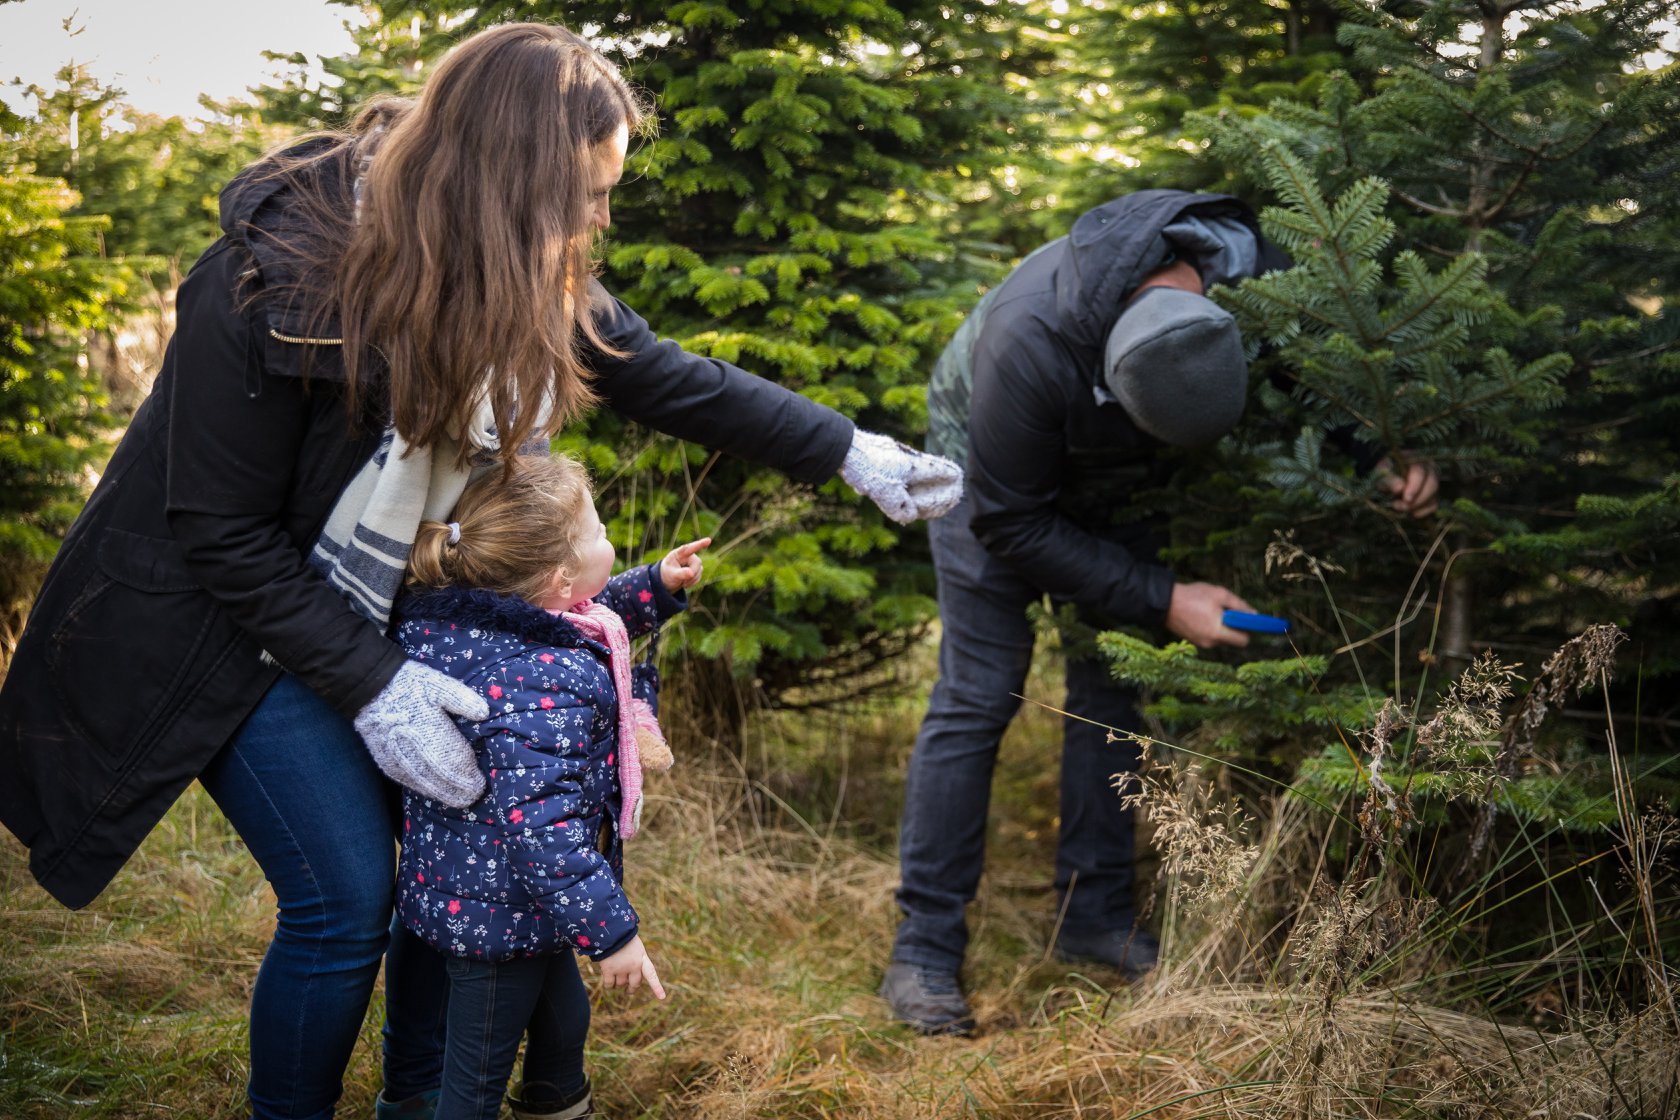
<point x="1255" y="623"/>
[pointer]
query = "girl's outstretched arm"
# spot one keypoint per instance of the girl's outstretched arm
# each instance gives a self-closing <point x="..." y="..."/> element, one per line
<point x="639" y="596"/>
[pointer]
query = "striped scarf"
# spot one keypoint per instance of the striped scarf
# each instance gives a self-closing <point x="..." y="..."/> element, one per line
<point x="363" y="550"/>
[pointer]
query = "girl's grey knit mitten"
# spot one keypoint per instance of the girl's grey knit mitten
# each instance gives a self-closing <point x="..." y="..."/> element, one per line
<point x="408" y="731"/>
<point x="907" y="484"/>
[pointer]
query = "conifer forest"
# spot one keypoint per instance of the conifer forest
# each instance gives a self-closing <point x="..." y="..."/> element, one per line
<point x="1420" y="857"/>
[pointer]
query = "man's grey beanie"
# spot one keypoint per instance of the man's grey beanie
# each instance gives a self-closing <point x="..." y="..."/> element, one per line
<point x="1175" y="361"/>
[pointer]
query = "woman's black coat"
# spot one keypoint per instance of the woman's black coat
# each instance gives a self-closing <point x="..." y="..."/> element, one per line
<point x="143" y="652"/>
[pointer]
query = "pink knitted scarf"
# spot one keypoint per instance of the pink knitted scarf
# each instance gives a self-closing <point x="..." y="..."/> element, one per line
<point x="638" y="729"/>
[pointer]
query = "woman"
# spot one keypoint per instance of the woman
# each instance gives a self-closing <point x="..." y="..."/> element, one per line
<point x="383" y="308"/>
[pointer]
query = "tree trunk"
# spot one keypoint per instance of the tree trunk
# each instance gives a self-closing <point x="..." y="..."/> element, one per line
<point x="1453" y="647"/>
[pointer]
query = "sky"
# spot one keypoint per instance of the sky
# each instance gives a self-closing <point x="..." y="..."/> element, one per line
<point x="164" y="53"/>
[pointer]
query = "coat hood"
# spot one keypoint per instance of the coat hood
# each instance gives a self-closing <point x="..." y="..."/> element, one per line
<point x="259" y="210"/>
<point x="1114" y="246"/>
<point x="264" y="181"/>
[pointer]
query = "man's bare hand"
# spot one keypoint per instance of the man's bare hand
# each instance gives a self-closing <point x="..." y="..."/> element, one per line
<point x="1195" y="614"/>
<point x="1415" y="491"/>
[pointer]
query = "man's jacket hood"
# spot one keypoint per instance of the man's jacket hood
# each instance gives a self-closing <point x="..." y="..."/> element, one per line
<point x="1113" y="247"/>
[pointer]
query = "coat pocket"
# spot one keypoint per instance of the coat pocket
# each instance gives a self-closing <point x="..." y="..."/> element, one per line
<point x="125" y="652"/>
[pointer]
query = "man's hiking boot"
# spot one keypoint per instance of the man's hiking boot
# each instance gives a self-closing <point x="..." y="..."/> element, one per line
<point x="421" y="1106"/>
<point x="537" y="1100"/>
<point x="927" y="998"/>
<point x="1131" y="950"/>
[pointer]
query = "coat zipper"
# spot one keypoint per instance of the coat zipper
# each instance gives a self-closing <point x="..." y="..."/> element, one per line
<point x="305" y="341"/>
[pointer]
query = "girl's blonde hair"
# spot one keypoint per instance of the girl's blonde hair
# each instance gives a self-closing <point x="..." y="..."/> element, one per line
<point x="516" y="529"/>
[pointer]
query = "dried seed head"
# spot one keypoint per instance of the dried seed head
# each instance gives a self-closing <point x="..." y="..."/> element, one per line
<point x="1204" y="857"/>
<point x="1463" y="733"/>
<point x="1284" y="553"/>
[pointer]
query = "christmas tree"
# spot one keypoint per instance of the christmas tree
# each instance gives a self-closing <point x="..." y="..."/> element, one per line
<point x="1542" y="136"/>
<point x="1137" y="79"/>
<point x="1482" y="222"/>
<point x="800" y="212"/>
<point x="55" y="288"/>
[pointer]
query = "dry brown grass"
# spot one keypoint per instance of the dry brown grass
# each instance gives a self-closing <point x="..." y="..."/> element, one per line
<point x="1284" y="993"/>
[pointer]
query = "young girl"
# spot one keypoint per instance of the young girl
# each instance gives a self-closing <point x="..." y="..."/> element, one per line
<point x="513" y="600"/>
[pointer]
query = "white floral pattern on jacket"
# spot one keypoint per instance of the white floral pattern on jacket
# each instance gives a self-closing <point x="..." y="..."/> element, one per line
<point x="534" y="865"/>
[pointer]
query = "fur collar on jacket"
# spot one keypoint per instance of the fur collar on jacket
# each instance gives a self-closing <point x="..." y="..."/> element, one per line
<point x="487" y="610"/>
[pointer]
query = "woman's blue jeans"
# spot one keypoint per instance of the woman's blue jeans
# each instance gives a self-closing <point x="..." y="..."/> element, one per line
<point x="985" y="650"/>
<point x="307" y="800"/>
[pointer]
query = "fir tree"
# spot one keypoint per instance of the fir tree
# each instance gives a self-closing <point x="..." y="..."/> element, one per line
<point x="394" y="43"/>
<point x="1528" y="166"/>
<point x="154" y="179"/>
<point x="1386" y="353"/>
<point x="54" y="289"/>
<point x="150" y="185"/>
<point x="1543" y="136"/>
<point x="1136" y="77"/>
<point x="1355" y="345"/>
<point x="799" y="212"/>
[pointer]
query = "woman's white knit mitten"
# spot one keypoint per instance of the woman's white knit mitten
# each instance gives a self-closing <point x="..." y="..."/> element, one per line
<point x="408" y="731"/>
<point x="907" y="484"/>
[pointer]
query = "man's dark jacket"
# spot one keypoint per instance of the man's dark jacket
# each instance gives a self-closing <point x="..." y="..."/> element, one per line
<point x="1051" y="457"/>
<point x="142" y="654"/>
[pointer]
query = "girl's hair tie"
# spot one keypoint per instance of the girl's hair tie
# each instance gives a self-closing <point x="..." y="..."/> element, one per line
<point x="454" y="532"/>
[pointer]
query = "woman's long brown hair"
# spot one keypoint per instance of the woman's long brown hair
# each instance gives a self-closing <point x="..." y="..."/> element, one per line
<point x="467" y="263"/>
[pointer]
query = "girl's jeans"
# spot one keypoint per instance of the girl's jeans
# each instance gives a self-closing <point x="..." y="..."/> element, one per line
<point x="306" y="798"/>
<point x="491" y="1005"/>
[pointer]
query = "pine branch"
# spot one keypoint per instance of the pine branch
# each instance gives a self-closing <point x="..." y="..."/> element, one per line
<point x="1476" y="402"/>
<point x="1648" y="352"/>
<point x="1419" y="204"/>
<point x="1449" y="281"/>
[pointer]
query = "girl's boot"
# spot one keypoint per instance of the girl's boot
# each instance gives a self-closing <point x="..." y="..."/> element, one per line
<point x="538" y="1101"/>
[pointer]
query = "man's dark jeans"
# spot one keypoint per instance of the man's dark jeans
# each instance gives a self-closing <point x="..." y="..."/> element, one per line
<point x="984" y="654"/>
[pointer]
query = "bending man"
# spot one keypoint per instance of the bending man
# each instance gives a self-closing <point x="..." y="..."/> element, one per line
<point x="1060" y="392"/>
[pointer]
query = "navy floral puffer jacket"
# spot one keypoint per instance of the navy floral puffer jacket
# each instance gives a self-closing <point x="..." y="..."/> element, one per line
<point x="534" y="866"/>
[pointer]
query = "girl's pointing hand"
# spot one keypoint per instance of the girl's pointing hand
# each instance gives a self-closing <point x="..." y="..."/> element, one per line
<point x="682" y="565"/>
